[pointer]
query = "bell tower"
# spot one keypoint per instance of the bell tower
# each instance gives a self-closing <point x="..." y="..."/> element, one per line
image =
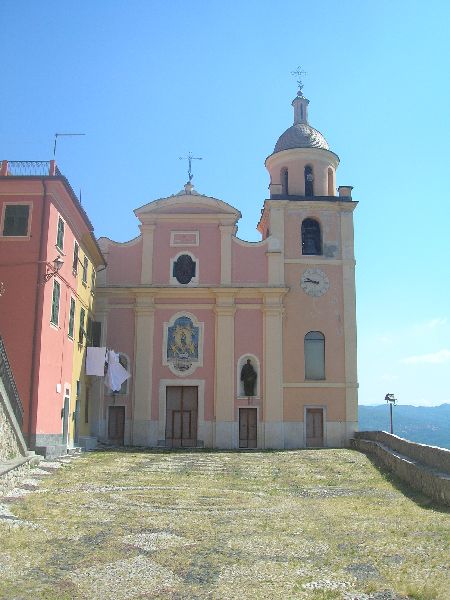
<point x="308" y="225"/>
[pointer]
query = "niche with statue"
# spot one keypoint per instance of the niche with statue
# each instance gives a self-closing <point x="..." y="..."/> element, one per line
<point x="248" y="376"/>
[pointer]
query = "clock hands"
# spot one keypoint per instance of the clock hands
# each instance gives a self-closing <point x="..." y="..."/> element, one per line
<point x="308" y="280"/>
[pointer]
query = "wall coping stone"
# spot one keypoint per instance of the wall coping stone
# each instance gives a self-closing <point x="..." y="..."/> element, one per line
<point x="431" y="456"/>
<point x="432" y="480"/>
<point x="9" y="465"/>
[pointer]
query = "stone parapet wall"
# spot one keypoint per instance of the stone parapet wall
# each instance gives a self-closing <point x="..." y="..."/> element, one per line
<point x="10" y="478"/>
<point x="432" y="456"/>
<point x="11" y="440"/>
<point x="407" y="461"/>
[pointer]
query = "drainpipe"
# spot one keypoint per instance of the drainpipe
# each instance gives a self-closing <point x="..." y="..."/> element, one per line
<point x="38" y="303"/>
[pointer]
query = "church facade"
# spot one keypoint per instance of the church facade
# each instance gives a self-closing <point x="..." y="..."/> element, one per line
<point x="235" y="344"/>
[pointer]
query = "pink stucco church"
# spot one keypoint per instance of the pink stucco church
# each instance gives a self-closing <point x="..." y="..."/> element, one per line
<point x="235" y="344"/>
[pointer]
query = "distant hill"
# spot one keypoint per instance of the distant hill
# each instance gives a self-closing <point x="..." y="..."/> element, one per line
<point x="423" y="424"/>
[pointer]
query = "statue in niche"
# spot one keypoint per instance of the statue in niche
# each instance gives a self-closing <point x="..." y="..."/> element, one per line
<point x="248" y="377"/>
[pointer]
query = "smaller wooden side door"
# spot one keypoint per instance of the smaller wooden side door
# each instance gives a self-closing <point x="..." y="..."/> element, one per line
<point x="248" y="428"/>
<point x="314" y="427"/>
<point x="116" y="425"/>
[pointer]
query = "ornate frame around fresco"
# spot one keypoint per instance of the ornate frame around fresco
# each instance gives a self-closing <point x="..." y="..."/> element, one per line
<point x="195" y="360"/>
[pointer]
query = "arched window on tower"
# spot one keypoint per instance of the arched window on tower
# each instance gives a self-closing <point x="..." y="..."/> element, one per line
<point x="284" y="176"/>
<point x="314" y="355"/>
<point x="330" y="182"/>
<point x="311" y="237"/>
<point x="309" y="181"/>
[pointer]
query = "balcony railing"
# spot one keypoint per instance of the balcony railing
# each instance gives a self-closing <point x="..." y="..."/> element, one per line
<point x="9" y="384"/>
<point x="28" y="168"/>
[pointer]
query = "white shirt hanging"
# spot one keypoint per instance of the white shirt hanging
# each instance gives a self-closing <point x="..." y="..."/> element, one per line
<point x="95" y="361"/>
<point x="116" y="374"/>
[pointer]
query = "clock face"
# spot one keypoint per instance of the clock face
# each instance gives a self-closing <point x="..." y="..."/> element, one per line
<point x="314" y="282"/>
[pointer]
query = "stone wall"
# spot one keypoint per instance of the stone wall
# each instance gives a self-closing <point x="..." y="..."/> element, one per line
<point x="425" y="468"/>
<point x="12" y="443"/>
<point x="11" y="478"/>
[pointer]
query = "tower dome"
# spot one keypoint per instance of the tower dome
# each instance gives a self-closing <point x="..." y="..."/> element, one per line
<point x="302" y="164"/>
<point x="301" y="134"/>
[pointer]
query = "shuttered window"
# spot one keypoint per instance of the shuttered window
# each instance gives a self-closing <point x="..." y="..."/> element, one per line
<point x="71" y="317"/>
<point x="16" y="220"/>
<point x="76" y="250"/>
<point x="314" y="355"/>
<point x="81" y="331"/>
<point x="60" y="234"/>
<point x="55" y="302"/>
<point x="85" y="269"/>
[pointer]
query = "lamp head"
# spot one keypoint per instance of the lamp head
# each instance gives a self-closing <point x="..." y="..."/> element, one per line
<point x="58" y="263"/>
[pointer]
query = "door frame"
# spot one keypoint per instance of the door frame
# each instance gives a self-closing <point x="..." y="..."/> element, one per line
<point x="200" y="385"/>
<point x="181" y="411"/>
<point x="258" y="435"/>
<point x="324" y="422"/>
<point x="124" y="420"/>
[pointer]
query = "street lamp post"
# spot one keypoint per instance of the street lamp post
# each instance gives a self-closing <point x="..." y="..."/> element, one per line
<point x="391" y="401"/>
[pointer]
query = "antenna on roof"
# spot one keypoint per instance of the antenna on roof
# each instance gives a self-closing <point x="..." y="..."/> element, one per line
<point x="57" y="135"/>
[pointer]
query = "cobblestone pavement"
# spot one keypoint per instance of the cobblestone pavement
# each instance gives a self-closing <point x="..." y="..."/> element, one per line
<point x="116" y="525"/>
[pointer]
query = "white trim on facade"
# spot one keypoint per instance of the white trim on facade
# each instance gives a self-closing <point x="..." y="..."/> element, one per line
<point x="184" y="243"/>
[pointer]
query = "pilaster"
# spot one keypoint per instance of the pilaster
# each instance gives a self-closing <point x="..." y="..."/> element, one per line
<point x="275" y="252"/>
<point x="273" y="370"/>
<point x="349" y="299"/>
<point x="273" y="357"/>
<point x="224" y="380"/>
<point x="143" y="364"/>
<point x="97" y="388"/>
<point x="147" y="253"/>
<point x="226" y="231"/>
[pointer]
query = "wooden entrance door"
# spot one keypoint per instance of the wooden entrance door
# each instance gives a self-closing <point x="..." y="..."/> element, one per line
<point x="116" y="425"/>
<point x="181" y="416"/>
<point x="247" y="428"/>
<point x="314" y="427"/>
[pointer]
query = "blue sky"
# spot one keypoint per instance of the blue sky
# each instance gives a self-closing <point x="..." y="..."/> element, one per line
<point x="149" y="81"/>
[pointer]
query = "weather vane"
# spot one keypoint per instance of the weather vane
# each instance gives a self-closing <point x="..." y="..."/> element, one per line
<point x="190" y="158"/>
<point x="299" y="72"/>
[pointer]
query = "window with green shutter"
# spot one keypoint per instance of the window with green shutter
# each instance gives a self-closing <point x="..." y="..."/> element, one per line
<point x="81" y="332"/>
<point x="76" y="249"/>
<point x="15" y="222"/>
<point x="92" y="280"/>
<point x="85" y="269"/>
<point x="60" y="234"/>
<point x="71" y="317"/>
<point x="55" y="302"/>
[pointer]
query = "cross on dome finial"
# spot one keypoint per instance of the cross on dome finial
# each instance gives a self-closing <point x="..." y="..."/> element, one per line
<point x="299" y="72"/>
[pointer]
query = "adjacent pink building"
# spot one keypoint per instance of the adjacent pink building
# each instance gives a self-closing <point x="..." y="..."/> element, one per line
<point x="234" y="344"/>
<point x="48" y="260"/>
